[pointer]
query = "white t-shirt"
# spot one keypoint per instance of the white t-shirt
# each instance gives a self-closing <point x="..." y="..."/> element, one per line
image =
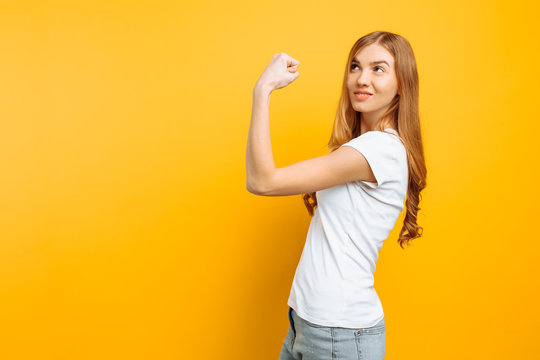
<point x="333" y="283"/>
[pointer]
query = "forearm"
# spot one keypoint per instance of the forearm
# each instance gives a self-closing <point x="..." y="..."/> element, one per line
<point x="260" y="164"/>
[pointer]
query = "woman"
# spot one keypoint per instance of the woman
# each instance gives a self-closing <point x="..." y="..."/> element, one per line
<point x="374" y="168"/>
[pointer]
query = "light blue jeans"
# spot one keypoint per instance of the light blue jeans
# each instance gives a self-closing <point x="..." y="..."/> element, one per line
<point x="308" y="341"/>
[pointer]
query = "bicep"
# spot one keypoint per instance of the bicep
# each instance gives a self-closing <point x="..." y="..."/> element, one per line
<point x="343" y="165"/>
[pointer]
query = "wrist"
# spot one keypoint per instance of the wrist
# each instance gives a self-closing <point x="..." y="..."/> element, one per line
<point x="262" y="89"/>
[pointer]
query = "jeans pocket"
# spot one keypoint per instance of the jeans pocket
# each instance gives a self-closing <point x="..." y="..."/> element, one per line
<point x="374" y="330"/>
<point x="371" y="342"/>
<point x="289" y="340"/>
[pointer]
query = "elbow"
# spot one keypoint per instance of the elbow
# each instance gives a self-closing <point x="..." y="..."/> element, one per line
<point x="261" y="184"/>
<point x="251" y="189"/>
<point x="255" y="188"/>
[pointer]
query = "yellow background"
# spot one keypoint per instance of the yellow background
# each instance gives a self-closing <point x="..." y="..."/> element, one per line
<point x="127" y="232"/>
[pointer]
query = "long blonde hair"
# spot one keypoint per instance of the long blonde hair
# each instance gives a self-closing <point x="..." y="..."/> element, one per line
<point x="403" y="112"/>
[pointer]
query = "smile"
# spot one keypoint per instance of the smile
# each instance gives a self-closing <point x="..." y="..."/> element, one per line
<point x="362" y="96"/>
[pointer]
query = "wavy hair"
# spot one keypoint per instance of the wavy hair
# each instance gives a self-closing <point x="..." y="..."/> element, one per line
<point x="403" y="112"/>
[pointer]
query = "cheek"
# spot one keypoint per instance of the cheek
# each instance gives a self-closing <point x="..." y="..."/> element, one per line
<point x="387" y="86"/>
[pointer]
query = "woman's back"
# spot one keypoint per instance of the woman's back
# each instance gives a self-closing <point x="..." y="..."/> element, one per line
<point x="333" y="283"/>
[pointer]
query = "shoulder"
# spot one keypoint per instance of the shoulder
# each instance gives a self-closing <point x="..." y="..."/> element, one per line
<point x="385" y="146"/>
<point x="379" y="139"/>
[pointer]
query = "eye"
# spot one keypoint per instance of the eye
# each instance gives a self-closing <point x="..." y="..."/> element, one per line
<point x="376" y="67"/>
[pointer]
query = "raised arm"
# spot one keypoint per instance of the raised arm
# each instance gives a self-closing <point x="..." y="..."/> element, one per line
<point x="263" y="178"/>
<point x="260" y="164"/>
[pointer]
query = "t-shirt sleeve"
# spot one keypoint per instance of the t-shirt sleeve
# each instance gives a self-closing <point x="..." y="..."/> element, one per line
<point x="379" y="149"/>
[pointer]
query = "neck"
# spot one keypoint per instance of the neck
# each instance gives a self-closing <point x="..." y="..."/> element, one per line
<point x="369" y="121"/>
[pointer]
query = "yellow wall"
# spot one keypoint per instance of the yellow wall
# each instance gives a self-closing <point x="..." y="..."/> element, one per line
<point x="127" y="232"/>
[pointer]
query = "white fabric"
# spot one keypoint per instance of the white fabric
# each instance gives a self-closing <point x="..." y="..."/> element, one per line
<point x="333" y="283"/>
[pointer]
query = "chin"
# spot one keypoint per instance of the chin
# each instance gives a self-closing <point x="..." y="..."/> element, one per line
<point x="360" y="108"/>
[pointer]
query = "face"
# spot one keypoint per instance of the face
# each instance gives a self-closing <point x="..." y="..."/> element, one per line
<point x="378" y="79"/>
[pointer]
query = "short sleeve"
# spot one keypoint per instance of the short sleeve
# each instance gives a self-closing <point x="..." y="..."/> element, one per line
<point x="379" y="149"/>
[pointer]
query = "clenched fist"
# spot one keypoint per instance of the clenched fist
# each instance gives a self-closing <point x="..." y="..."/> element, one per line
<point x="281" y="71"/>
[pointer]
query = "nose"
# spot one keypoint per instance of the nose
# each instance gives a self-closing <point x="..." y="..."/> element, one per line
<point x="363" y="78"/>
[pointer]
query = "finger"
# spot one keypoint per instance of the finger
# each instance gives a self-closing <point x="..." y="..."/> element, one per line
<point x="290" y="60"/>
<point x="293" y="62"/>
<point x="292" y="70"/>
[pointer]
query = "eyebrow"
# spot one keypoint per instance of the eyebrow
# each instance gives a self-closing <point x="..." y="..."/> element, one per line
<point x="373" y="62"/>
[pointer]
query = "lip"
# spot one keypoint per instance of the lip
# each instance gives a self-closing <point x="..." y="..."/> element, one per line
<point x="362" y="97"/>
<point x="362" y="92"/>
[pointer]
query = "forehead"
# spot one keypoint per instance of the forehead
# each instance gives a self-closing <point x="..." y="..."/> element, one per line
<point x="373" y="52"/>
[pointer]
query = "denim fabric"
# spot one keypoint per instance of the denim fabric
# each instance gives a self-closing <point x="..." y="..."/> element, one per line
<point x="308" y="341"/>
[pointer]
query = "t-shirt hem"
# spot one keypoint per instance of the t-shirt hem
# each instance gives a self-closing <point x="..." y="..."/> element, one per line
<point x="341" y="324"/>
